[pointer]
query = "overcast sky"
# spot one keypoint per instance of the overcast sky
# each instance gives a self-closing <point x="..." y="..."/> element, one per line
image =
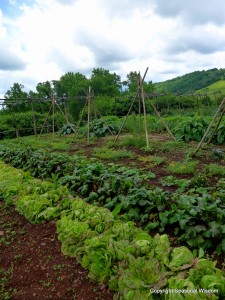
<point x="41" y="40"/>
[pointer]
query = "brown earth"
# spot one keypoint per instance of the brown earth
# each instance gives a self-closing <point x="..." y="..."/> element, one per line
<point x="32" y="266"/>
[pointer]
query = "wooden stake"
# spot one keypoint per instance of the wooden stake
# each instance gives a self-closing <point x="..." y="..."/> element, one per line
<point x="161" y="119"/>
<point x="46" y="119"/>
<point x="217" y="125"/>
<point x="89" y="112"/>
<point x="210" y="125"/>
<point x="144" y="111"/>
<point x="14" y="119"/>
<point x="124" y="121"/>
<point x="79" y="122"/>
<point x="34" y="119"/>
<point x="68" y="123"/>
<point x="139" y="102"/>
<point x="53" y="116"/>
<point x="104" y="121"/>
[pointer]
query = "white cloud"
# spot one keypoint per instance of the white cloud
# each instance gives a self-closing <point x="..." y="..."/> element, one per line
<point x="192" y="11"/>
<point x="45" y="39"/>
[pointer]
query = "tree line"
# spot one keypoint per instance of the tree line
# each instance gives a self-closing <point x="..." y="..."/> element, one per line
<point x="74" y="86"/>
<point x="112" y="96"/>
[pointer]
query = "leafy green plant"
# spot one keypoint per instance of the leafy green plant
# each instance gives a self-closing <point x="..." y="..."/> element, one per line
<point x="188" y="167"/>
<point x="191" y="129"/>
<point x="168" y="146"/>
<point x="152" y="160"/>
<point x="173" y="181"/>
<point x="100" y="128"/>
<point x="119" y="253"/>
<point x="215" y="169"/>
<point x="112" y="154"/>
<point x="66" y="129"/>
<point x="133" y="141"/>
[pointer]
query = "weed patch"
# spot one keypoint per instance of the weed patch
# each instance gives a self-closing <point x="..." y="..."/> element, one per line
<point x="188" y="167"/>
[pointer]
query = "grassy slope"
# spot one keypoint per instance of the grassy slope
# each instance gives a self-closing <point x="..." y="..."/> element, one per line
<point x="215" y="87"/>
<point x="193" y="82"/>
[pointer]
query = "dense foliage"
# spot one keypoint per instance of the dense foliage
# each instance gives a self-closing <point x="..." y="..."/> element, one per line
<point x="134" y="264"/>
<point x="193" y="129"/>
<point x="25" y="124"/>
<point x="195" y="211"/>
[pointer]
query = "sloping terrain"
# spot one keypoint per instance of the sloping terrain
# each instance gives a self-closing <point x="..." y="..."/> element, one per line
<point x="191" y="82"/>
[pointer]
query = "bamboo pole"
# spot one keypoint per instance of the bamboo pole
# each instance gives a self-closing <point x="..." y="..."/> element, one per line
<point x="161" y="119"/>
<point x="79" y="122"/>
<point x="64" y="115"/>
<point x="210" y="125"/>
<point x="89" y="112"/>
<point x="46" y="119"/>
<point x="14" y="119"/>
<point x="139" y="102"/>
<point x="53" y="116"/>
<point x="97" y="111"/>
<point x="144" y="111"/>
<point x="34" y="119"/>
<point x="217" y="125"/>
<point x="124" y="121"/>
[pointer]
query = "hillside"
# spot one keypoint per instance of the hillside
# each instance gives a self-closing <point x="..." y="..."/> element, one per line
<point x="191" y="82"/>
<point x="214" y="87"/>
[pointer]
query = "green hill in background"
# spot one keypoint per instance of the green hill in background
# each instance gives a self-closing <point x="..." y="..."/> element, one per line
<point x="214" y="87"/>
<point x="194" y="82"/>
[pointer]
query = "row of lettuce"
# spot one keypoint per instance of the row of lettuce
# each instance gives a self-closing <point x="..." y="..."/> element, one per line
<point x="194" y="213"/>
<point x="184" y="128"/>
<point x="133" y="264"/>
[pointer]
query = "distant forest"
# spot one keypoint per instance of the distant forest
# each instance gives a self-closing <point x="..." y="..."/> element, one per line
<point x="190" y="82"/>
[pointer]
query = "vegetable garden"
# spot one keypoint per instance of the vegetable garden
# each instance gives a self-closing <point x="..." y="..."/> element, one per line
<point x="134" y="202"/>
<point x="139" y="220"/>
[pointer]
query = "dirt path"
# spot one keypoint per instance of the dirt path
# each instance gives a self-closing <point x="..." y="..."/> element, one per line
<point x="32" y="266"/>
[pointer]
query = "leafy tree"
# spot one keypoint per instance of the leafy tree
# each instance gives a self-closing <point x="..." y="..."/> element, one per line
<point x="44" y="89"/>
<point x="132" y="83"/>
<point x="17" y="95"/>
<point x="73" y="85"/>
<point x="105" y="83"/>
<point x="44" y="93"/>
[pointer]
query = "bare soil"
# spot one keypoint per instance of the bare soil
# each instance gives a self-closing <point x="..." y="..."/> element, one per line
<point x="32" y="266"/>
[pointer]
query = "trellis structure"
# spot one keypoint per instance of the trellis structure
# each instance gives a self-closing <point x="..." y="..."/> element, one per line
<point x="140" y="94"/>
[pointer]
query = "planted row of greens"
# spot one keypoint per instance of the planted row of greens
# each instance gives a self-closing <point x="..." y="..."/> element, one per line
<point x="129" y="260"/>
<point x="184" y="128"/>
<point x="193" y="129"/>
<point x="195" y="214"/>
